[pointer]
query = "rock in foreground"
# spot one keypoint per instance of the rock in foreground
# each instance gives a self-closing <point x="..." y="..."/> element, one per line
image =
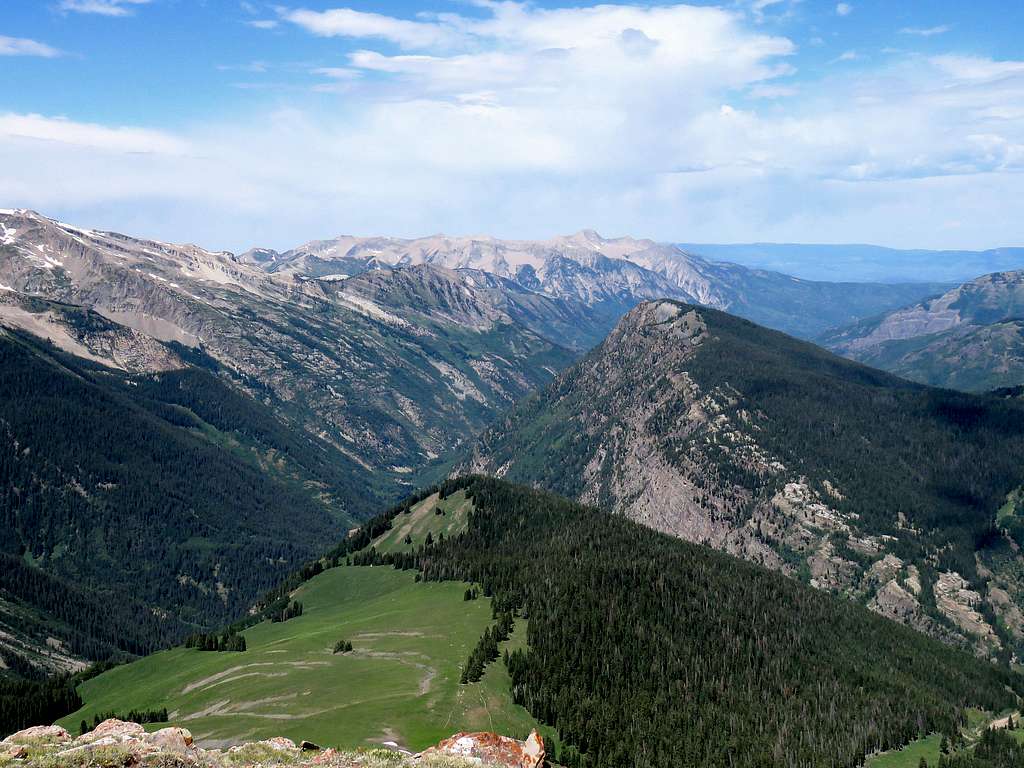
<point x="120" y="744"/>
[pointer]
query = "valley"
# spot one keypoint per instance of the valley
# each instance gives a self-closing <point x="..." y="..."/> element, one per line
<point x="665" y="604"/>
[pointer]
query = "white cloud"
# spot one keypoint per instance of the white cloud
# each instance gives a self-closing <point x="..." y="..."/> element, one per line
<point x="345" y="22"/>
<point x="976" y="68"/>
<point x="102" y="7"/>
<point x="121" y="140"/>
<point x="926" y="31"/>
<point x="523" y="121"/>
<point x="263" y="23"/>
<point x="844" y="9"/>
<point x="22" y="46"/>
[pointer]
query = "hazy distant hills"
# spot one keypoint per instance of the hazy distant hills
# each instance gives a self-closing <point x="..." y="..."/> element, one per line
<point x="608" y="276"/>
<point x="864" y="262"/>
<point x="719" y="431"/>
<point x="970" y="338"/>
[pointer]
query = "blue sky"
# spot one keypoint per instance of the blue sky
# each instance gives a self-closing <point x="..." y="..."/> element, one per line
<point x="240" y="123"/>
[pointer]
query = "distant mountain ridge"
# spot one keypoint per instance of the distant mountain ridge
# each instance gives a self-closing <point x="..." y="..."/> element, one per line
<point x="609" y="276"/>
<point x="392" y="386"/>
<point x="971" y="337"/>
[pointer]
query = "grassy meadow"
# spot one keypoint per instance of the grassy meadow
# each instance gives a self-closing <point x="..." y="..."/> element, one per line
<point x="399" y="684"/>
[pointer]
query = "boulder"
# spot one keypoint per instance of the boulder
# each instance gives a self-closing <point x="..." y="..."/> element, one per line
<point x="177" y="740"/>
<point x="492" y="750"/>
<point x="309" y="746"/>
<point x="119" y="730"/>
<point x="50" y="734"/>
<point x="90" y="746"/>
<point x="326" y="756"/>
<point x="280" y="743"/>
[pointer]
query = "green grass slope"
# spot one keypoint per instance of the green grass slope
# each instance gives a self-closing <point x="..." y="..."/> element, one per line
<point x="447" y="517"/>
<point x="400" y="683"/>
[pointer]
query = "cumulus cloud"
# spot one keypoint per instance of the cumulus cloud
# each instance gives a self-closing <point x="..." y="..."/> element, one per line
<point x="22" y="46"/>
<point x="844" y="9"/>
<point x="676" y="122"/>
<point x="102" y="7"/>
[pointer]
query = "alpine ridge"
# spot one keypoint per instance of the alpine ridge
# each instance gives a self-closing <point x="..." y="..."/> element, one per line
<point x="968" y="338"/>
<point x="608" y="275"/>
<point x="721" y="432"/>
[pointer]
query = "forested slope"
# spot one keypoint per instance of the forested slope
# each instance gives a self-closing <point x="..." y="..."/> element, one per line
<point x="136" y="507"/>
<point x="714" y="429"/>
<point x="645" y="650"/>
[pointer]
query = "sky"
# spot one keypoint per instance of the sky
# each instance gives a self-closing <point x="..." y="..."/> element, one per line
<point x="236" y="124"/>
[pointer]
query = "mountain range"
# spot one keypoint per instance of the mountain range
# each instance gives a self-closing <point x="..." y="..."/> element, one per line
<point x="344" y="373"/>
<point x="609" y="276"/>
<point x="185" y="430"/>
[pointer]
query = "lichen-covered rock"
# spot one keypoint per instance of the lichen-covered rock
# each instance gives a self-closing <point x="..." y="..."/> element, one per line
<point x="178" y="740"/>
<point x="119" y="730"/>
<point x="48" y="734"/>
<point x="116" y="744"/>
<point x="490" y="749"/>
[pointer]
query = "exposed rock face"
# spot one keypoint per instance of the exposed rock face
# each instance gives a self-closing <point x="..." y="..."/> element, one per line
<point x="492" y="749"/>
<point x="959" y="604"/>
<point x="391" y="368"/>
<point x="116" y="743"/>
<point x="608" y="275"/>
<point x="670" y="423"/>
<point x="970" y="337"/>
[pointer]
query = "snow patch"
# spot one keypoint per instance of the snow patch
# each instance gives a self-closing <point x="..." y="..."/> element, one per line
<point x="6" y="288"/>
<point x="10" y="234"/>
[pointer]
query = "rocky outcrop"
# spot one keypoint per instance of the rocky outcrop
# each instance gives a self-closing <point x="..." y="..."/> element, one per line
<point x="492" y="749"/>
<point x="117" y="743"/>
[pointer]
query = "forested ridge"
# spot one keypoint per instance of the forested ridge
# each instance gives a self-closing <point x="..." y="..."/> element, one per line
<point x="732" y="415"/>
<point x="166" y="502"/>
<point x="943" y="461"/>
<point x="645" y="650"/>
